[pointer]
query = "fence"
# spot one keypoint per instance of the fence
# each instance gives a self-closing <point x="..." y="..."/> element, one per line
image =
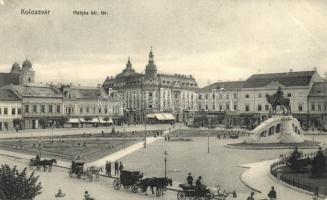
<point x="296" y="182"/>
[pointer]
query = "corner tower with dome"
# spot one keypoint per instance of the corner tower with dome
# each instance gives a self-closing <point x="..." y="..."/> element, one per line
<point x="170" y="97"/>
<point x="18" y="75"/>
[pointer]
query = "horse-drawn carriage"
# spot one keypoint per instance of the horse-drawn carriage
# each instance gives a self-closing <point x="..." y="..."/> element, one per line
<point x="37" y="164"/>
<point x="76" y="168"/>
<point x="193" y="193"/>
<point x="34" y="164"/>
<point x="128" y="179"/>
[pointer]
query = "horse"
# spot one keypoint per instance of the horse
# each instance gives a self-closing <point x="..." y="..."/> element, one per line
<point x="93" y="170"/>
<point x="275" y="101"/>
<point x="46" y="163"/>
<point x="159" y="183"/>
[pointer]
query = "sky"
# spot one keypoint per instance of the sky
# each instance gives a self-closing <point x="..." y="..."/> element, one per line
<point x="214" y="40"/>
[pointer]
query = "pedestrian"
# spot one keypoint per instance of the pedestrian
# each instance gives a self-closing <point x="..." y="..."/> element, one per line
<point x="60" y="193"/>
<point x="189" y="179"/>
<point x="87" y="196"/>
<point x="251" y="196"/>
<point x="316" y="197"/>
<point x="116" y="168"/>
<point x="272" y="194"/>
<point x="121" y="167"/>
<point x="109" y="168"/>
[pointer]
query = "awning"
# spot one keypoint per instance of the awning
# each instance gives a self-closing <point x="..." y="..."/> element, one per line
<point x="95" y="120"/>
<point x="73" y="120"/>
<point x="164" y="116"/>
<point x="82" y="120"/>
<point x="150" y="116"/>
<point x="102" y="121"/>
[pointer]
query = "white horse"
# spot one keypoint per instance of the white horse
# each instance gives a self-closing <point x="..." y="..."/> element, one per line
<point x="90" y="170"/>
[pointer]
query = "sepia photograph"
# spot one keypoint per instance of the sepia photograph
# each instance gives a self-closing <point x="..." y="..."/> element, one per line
<point x="163" y="100"/>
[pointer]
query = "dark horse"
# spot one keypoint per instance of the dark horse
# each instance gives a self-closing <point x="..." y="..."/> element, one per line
<point x="159" y="183"/>
<point x="275" y="101"/>
<point x="46" y="163"/>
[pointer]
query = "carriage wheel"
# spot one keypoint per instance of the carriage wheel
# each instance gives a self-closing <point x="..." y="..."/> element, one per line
<point x="116" y="184"/>
<point x="134" y="188"/>
<point x="181" y="195"/>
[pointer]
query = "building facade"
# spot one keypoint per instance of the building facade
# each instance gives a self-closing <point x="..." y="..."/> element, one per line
<point x="153" y="92"/>
<point x="10" y="111"/>
<point x="317" y="104"/>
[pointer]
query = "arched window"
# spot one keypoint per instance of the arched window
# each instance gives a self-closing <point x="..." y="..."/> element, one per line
<point x="278" y="128"/>
<point x="271" y="130"/>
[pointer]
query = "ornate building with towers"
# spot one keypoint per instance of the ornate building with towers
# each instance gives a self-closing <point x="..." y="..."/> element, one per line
<point x="18" y="75"/>
<point x="163" y="97"/>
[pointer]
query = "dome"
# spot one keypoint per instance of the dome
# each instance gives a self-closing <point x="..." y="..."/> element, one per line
<point x="27" y="64"/>
<point x="15" y="68"/>
<point x="128" y="71"/>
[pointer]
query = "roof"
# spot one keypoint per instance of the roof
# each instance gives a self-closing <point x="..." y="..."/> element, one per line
<point x="228" y="85"/>
<point x="35" y="91"/>
<point x="9" y="78"/>
<point x="301" y="78"/>
<point x="8" y="95"/>
<point x="319" y="89"/>
<point x="85" y="92"/>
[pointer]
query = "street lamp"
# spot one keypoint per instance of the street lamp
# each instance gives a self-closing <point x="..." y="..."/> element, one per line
<point x="165" y="154"/>
<point x="208" y="143"/>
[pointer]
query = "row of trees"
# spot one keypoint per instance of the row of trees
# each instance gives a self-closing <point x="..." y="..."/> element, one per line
<point x="297" y="162"/>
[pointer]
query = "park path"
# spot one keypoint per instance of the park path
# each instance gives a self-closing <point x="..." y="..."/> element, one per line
<point x="258" y="178"/>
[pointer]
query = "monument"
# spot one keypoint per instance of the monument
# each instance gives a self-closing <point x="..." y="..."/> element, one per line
<point x="279" y="128"/>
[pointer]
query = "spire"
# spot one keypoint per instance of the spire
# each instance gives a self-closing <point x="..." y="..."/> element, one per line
<point x="151" y="60"/>
<point x="129" y="64"/>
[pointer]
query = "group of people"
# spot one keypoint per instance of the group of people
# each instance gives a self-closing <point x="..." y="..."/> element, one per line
<point x="118" y="167"/>
<point x="199" y="185"/>
<point x="272" y="194"/>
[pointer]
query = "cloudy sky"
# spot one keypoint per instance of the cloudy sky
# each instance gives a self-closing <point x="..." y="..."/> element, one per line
<point x="211" y="39"/>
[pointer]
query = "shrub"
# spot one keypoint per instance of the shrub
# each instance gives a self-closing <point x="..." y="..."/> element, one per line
<point x="318" y="164"/>
<point x="294" y="161"/>
<point x="18" y="185"/>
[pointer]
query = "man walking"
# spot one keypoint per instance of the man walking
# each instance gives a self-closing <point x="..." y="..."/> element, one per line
<point x="272" y="194"/>
<point x="121" y="167"/>
<point x="116" y="168"/>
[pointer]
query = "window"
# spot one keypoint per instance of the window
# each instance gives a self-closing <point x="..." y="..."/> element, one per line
<point x="325" y="107"/>
<point x="259" y="95"/>
<point x="259" y="107"/>
<point x="150" y="94"/>
<point x="207" y="107"/>
<point x="247" y="108"/>
<point x="227" y="96"/>
<point x="247" y="96"/>
<point x="200" y="96"/>
<point x="200" y="107"/>
<point x="214" y="107"/>
<point x="313" y="107"/>
<point x="58" y="108"/>
<point x="100" y="110"/>
<point x="220" y="107"/>
<point x="50" y="108"/>
<point x="19" y="111"/>
<point x="266" y="107"/>
<point x="87" y="110"/>
<point x="13" y="111"/>
<point x="319" y="107"/>
<point x="278" y="128"/>
<point x="263" y="134"/>
<point x="5" y="111"/>
<point x="81" y="110"/>
<point x="34" y="108"/>
<point x="271" y="130"/>
<point x="42" y="108"/>
<point x="227" y="106"/>
<point x="235" y="96"/>
<point x="26" y="110"/>
<point x="300" y="108"/>
<point x="235" y="107"/>
<point x="289" y="95"/>
<point x="206" y="96"/>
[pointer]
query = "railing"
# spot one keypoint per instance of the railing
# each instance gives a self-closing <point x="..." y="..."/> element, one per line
<point x="296" y="182"/>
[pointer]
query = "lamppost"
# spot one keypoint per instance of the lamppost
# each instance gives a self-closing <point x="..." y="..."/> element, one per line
<point x="165" y="155"/>
<point x="208" y="143"/>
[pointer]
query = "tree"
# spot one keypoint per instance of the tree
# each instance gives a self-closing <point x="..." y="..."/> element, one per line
<point x="18" y="185"/>
<point x="294" y="161"/>
<point x="318" y="164"/>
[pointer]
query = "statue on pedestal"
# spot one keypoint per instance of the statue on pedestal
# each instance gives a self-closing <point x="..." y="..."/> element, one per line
<point x="278" y="99"/>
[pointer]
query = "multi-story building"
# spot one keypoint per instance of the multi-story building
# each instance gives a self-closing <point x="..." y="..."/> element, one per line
<point x="10" y="110"/>
<point x="18" y="75"/>
<point x="154" y="93"/>
<point x="90" y="106"/>
<point x="41" y="104"/>
<point x="317" y="104"/>
<point x="245" y="102"/>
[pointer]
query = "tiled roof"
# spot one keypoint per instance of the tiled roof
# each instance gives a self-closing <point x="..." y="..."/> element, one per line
<point x="8" y="95"/>
<point x="86" y="92"/>
<point x="9" y="78"/>
<point x="35" y="91"/>
<point x="319" y="89"/>
<point x="301" y="78"/>
<point x="228" y="85"/>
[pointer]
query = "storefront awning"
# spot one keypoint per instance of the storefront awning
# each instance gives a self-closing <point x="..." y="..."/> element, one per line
<point x="73" y="120"/>
<point x="95" y="120"/>
<point x="150" y="116"/>
<point x="82" y="120"/>
<point x="169" y="116"/>
<point x="164" y="116"/>
<point x="102" y="121"/>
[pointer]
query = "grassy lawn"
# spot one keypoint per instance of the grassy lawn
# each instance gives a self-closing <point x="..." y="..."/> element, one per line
<point x="94" y="148"/>
<point x="203" y="133"/>
<point x="305" y="178"/>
